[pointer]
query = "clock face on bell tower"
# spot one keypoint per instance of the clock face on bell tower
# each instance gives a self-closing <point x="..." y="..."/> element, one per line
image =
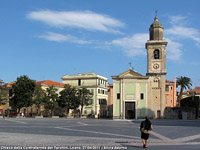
<point x="156" y="66"/>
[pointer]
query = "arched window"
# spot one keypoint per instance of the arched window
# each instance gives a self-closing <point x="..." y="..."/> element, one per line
<point x="156" y="54"/>
<point x="156" y="83"/>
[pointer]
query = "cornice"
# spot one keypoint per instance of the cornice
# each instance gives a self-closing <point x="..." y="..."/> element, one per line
<point x="155" y="74"/>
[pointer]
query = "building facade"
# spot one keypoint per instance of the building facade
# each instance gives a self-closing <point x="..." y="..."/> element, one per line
<point x="32" y="110"/>
<point x="170" y="93"/>
<point x="6" y="107"/>
<point x="135" y="95"/>
<point x="130" y="95"/>
<point x="44" y="85"/>
<point x="98" y="86"/>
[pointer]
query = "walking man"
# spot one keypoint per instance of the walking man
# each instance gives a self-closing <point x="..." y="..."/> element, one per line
<point x="145" y="128"/>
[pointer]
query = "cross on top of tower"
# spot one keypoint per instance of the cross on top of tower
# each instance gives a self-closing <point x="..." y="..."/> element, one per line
<point x="130" y="63"/>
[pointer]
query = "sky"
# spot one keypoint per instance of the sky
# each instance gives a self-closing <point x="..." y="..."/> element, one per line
<point x="47" y="39"/>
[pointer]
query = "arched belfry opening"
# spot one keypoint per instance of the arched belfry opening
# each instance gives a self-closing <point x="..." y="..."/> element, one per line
<point x="156" y="54"/>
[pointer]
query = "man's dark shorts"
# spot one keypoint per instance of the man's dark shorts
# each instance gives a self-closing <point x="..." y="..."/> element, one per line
<point x="144" y="136"/>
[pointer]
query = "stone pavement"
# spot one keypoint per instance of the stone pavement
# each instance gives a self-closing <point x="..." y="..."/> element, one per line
<point x="96" y="134"/>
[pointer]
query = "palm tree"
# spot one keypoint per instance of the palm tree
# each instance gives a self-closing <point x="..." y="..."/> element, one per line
<point x="185" y="83"/>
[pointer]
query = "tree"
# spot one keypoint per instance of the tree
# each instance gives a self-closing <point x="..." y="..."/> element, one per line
<point x="38" y="98"/>
<point x="68" y="98"/>
<point x="23" y="90"/>
<point x="51" y="99"/>
<point x="3" y="93"/>
<point x="184" y="83"/>
<point x="85" y="97"/>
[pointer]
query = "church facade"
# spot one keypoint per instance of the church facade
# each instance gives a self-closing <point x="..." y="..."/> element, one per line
<point x="135" y="95"/>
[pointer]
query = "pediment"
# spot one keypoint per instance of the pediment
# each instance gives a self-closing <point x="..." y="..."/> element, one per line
<point x="130" y="73"/>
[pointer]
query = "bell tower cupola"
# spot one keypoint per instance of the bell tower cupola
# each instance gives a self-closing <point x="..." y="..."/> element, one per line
<point x="156" y="30"/>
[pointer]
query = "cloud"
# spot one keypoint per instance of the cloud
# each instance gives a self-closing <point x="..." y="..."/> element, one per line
<point x="50" y="36"/>
<point x="184" y="32"/>
<point x="195" y="63"/>
<point x="178" y="20"/>
<point x="180" y="31"/>
<point x="132" y="46"/>
<point x="135" y="45"/>
<point x="173" y="50"/>
<point x="77" y="19"/>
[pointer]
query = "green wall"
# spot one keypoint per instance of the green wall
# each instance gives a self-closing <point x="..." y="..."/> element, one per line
<point x="143" y="101"/>
<point x="130" y="90"/>
<point x="130" y="93"/>
<point x="117" y="101"/>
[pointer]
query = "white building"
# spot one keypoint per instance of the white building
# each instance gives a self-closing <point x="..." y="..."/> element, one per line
<point x="98" y="85"/>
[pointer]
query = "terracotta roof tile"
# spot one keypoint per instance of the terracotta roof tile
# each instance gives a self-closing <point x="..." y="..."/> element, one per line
<point x="45" y="82"/>
<point x="10" y="84"/>
<point x="167" y="81"/>
<point x="193" y="90"/>
<point x="50" y="83"/>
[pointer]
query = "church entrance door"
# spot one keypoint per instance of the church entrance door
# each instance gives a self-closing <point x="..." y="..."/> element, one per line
<point x="130" y="110"/>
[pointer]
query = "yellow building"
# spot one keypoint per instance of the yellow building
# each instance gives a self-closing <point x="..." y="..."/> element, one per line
<point x="4" y="95"/>
<point x="6" y="108"/>
<point x="44" y="85"/>
<point x="29" y="111"/>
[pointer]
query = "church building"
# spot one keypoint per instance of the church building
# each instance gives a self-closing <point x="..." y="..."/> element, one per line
<point x="135" y="95"/>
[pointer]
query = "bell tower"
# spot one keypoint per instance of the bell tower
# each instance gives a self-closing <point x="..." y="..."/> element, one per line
<point x="156" y="69"/>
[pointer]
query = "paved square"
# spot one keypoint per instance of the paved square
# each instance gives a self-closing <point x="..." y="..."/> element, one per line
<point x="96" y="133"/>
